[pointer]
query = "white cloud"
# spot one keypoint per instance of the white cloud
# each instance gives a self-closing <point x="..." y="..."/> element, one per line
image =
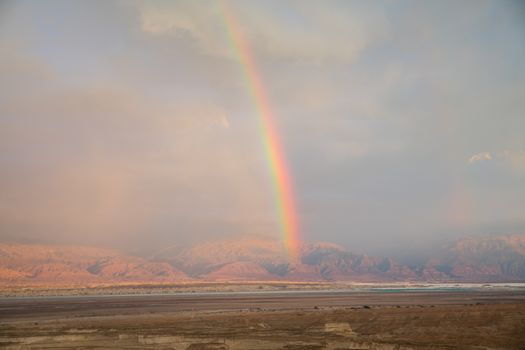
<point x="479" y="157"/>
<point x="516" y="158"/>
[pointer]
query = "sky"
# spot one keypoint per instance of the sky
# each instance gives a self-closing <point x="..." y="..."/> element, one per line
<point x="130" y="123"/>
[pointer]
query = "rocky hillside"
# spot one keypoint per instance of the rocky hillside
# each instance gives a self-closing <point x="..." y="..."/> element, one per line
<point x="475" y="259"/>
<point x="265" y="259"/>
<point x="69" y="264"/>
<point x="486" y="258"/>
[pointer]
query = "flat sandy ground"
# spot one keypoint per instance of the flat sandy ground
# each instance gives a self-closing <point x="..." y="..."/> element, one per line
<point x="278" y="320"/>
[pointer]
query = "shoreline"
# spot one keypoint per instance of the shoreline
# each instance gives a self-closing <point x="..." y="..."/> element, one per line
<point x="241" y="287"/>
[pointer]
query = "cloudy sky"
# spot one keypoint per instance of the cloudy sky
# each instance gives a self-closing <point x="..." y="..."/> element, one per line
<point x="129" y="123"/>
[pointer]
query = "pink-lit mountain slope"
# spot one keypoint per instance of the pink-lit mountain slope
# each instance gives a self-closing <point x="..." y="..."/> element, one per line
<point x="265" y="259"/>
<point x="486" y="258"/>
<point x="475" y="259"/>
<point x="78" y="264"/>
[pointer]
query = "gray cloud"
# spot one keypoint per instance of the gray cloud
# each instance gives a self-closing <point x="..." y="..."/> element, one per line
<point x="291" y="30"/>
<point x="131" y="120"/>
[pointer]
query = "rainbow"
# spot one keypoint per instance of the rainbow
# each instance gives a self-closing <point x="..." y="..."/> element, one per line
<point x="282" y="182"/>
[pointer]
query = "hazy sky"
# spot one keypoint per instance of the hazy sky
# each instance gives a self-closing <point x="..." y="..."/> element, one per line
<point x="129" y="122"/>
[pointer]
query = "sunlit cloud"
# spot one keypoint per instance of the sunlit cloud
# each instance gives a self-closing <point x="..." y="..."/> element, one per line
<point x="480" y="157"/>
<point x="516" y="158"/>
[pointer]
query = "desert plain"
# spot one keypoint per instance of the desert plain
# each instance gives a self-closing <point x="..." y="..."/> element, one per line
<point x="395" y="318"/>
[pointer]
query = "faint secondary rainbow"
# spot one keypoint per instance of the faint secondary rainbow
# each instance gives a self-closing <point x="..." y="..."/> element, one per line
<point x="282" y="182"/>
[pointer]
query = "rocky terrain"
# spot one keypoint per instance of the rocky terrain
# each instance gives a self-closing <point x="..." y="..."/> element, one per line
<point x="76" y="264"/>
<point x="474" y="259"/>
<point x="263" y="259"/>
<point x="486" y="258"/>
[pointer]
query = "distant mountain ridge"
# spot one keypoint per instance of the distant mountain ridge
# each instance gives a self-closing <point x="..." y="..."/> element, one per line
<point x="78" y="264"/>
<point x="265" y="259"/>
<point x="481" y="258"/>
<point x="472" y="259"/>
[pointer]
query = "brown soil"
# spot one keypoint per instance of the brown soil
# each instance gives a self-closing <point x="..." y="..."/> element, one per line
<point x="322" y="321"/>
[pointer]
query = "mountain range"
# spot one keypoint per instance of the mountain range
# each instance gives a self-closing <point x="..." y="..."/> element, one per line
<point x="473" y="259"/>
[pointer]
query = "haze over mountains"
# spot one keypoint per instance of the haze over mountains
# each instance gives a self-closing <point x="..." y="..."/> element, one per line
<point x="473" y="259"/>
